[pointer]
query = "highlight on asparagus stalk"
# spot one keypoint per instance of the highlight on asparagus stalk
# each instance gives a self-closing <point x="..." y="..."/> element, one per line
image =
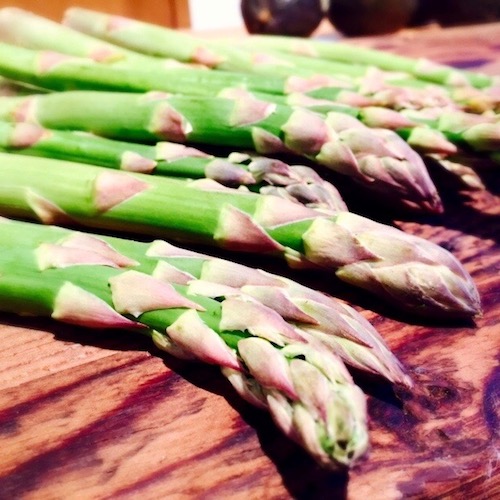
<point x="81" y="279"/>
<point x="379" y="160"/>
<point x="407" y="271"/>
<point x="297" y="183"/>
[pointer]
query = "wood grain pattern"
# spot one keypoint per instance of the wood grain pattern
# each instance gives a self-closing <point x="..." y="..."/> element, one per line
<point x="87" y="414"/>
<point x="173" y="13"/>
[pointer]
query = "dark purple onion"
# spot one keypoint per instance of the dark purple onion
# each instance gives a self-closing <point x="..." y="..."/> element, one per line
<point x="370" y="17"/>
<point x="282" y="17"/>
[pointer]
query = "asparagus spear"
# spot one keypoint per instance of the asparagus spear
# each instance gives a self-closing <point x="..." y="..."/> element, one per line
<point x="80" y="279"/>
<point x="24" y="28"/>
<point x="160" y="41"/>
<point x="405" y="270"/>
<point x="57" y="72"/>
<point x="298" y="183"/>
<point x="378" y="160"/>
<point x="430" y="130"/>
<point x="331" y="322"/>
<point x="350" y="53"/>
<point x="153" y="40"/>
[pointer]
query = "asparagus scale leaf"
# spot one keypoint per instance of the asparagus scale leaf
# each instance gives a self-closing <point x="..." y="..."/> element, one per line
<point x="80" y="279"/>
<point x="403" y="269"/>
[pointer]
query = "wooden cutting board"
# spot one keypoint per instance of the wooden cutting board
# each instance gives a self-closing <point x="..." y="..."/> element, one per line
<point x="94" y="415"/>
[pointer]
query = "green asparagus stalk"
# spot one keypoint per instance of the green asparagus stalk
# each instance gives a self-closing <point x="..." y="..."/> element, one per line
<point x="26" y="29"/>
<point x="55" y="71"/>
<point x="20" y="27"/>
<point x="153" y="40"/>
<point x="298" y="183"/>
<point x="350" y="53"/>
<point x="163" y="42"/>
<point x="331" y="322"/>
<point x="58" y="71"/>
<point x="407" y="271"/>
<point x="378" y="160"/>
<point x="81" y="279"/>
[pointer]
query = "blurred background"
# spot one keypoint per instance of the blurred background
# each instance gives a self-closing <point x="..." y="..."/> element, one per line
<point x="202" y="14"/>
<point x="294" y="17"/>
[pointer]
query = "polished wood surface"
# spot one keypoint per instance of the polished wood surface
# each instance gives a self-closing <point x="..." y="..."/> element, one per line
<point x="86" y="414"/>
<point x="172" y="13"/>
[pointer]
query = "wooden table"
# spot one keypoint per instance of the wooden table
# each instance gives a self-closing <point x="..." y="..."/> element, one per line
<point x="173" y="13"/>
<point x="98" y="415"/>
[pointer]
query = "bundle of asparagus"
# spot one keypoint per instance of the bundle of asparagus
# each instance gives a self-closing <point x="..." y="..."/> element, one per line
<point x="353" y="63"/>
<point x="406" y="270"/>
<point x="274" y="355"/>
<point x="378" y="159"/>
<point x="281" y="345"/>
<point x="437" y="131"/>
<point x="55" y="71"/>
<point x="265" y="175"/>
